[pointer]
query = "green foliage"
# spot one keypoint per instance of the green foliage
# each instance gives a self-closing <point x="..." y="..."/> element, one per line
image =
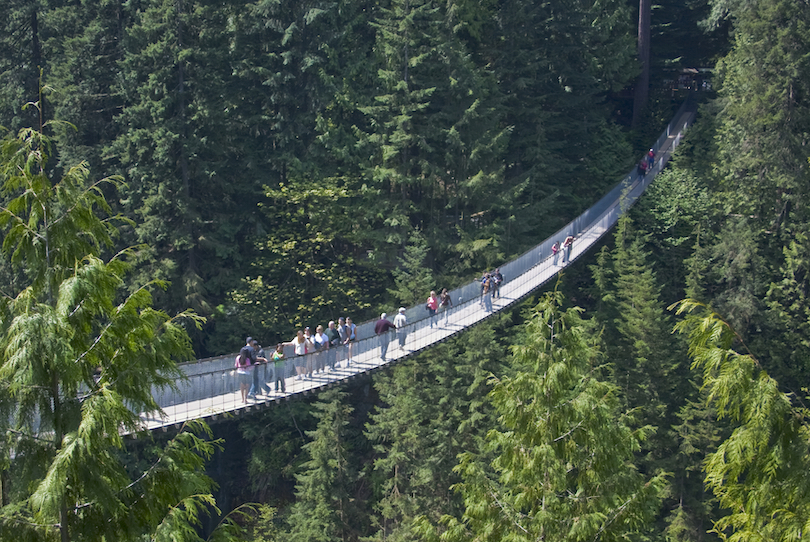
<point x="759" y="473"/>
<point x="413" y="279"/>
<point x="305" y="271"/>
<point x="263" y="525"/>
<point x="78" y="361"/>
<point x="433" y="408"/>
<point x="563" y="459"/>
<point x="324" y="510"/>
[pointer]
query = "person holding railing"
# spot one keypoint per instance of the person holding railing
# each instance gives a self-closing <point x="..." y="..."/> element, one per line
<point x="321" y="346"/>
<point x="567" y="244"/>
<point x="301" y="349"/>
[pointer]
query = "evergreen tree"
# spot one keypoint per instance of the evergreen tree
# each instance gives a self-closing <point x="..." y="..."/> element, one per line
<point x="435" y="132"/>
<point x="412" y="279"/>
<point x="324" y="510"/>
<point x="175" y="147"/>
<point x="563" y="458"/>
<point x="554" y="62"/>
<point x="21" y="62"/>
<point x="306" y="270"/>
<point x="433" y="409"/>
<point x="759" y="473"/>
<point x="640" y="349"/>
<point x="78" y="361"/>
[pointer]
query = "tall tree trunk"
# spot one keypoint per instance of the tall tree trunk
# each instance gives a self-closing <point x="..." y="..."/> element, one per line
<point x="643" y="83"/>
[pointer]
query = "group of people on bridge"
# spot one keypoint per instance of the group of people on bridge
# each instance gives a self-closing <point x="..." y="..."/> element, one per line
<point x="334" y="345"/>
<point x="330" y="345"/>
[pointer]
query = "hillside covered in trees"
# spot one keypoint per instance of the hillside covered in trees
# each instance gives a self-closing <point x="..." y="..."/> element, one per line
<point x="273" y="164"/>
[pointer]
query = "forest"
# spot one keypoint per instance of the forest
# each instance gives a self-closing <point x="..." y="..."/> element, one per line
<point x="179" y="174"/>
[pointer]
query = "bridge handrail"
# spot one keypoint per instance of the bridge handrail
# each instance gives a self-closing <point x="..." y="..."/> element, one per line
<point x="417" y="315"/>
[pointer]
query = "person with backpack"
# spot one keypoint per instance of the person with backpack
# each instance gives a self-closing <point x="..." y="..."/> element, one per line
<point x="333" y="338"/>
<point x="259" y="383"/>
<point x="343" y="331"/>
<point x="555" y="251"/>
<point x="351" y="331"/>
<point x="486" y="292"/>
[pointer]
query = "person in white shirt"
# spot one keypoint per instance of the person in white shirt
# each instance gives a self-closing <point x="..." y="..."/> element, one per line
<point x="401" y="321"/>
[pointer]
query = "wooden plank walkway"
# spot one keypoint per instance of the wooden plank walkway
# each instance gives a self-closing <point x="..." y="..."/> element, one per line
<point x="225" y="398"/>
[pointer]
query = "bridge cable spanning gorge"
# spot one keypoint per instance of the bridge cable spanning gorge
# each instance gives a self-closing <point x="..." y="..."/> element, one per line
<point x="211" y="389"/>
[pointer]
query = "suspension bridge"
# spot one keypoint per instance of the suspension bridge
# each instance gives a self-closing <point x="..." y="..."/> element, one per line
<point x="211" y="388"/>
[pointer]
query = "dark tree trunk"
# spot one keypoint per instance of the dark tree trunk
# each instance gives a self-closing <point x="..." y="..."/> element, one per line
<point x="643" y="82"/>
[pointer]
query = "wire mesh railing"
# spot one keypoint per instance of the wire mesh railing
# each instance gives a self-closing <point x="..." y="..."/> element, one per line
<point x="211" y="386"/>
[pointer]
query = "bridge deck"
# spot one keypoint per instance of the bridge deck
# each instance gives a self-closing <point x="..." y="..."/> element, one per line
<point x="212" y="390"/>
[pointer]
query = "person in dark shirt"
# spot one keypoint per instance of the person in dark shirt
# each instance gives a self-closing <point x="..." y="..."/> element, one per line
<point x="334" y="341"/>
<point x="259" y="383"/>
<point x="381" y="328"/>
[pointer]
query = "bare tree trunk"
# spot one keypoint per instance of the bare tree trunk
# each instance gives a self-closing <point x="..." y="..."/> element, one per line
<point x="643" y="83"/>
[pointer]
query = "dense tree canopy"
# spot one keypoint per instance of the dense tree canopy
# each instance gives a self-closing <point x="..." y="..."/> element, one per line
<point x="277" y="163"/>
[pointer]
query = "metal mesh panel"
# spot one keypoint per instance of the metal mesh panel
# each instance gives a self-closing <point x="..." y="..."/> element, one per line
<point x="210" y="383"/>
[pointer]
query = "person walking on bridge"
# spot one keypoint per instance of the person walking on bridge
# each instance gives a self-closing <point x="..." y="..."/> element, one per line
<point x="445" y="302"/>
<point x="432" y="305"/>
<point x="401" y="321"/>
<point x="381" y="328"/>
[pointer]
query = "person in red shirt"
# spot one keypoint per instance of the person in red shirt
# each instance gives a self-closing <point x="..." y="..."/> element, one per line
<point x="432" y="306"/>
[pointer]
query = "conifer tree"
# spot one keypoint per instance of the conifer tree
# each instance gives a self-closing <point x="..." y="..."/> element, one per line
<point x="435" y="134"/>
<point x="563" y="458"/>
<point x="434" y="408"/>
<point x="641" y="351"/>
<point x="78" y="361"/>
<point x="413" y="279"/>
<point x="175" y="143"/>
<point x="324" y="510"/>
<point x="759" y="474"/>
